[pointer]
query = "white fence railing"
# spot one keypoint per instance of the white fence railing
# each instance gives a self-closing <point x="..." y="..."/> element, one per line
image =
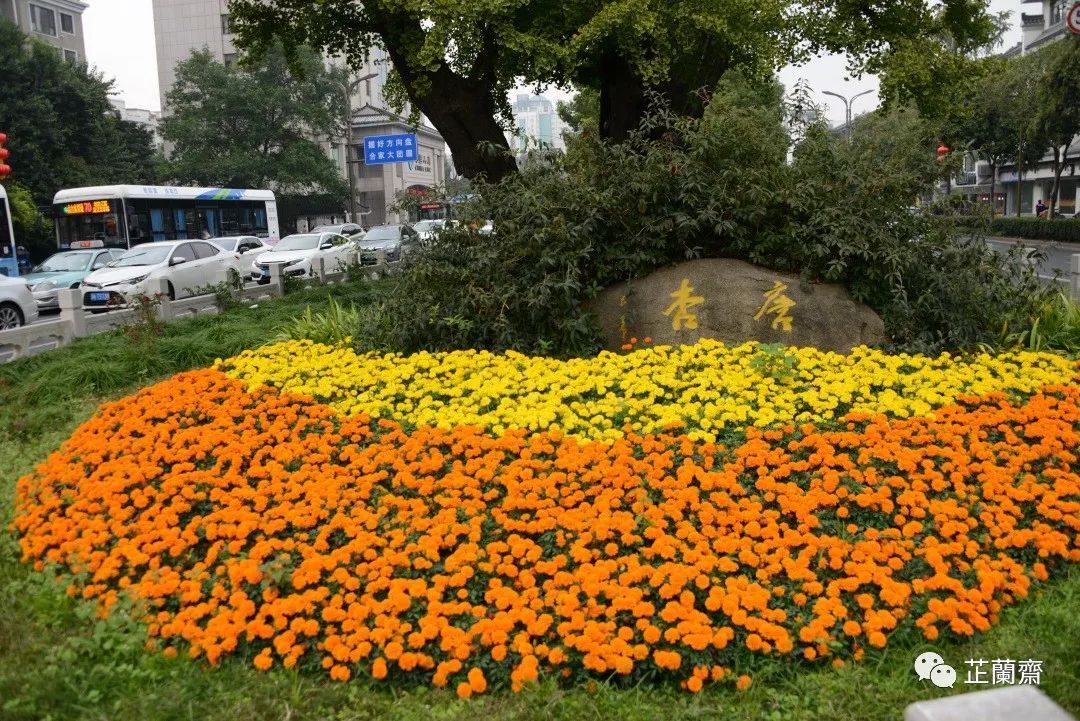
<point x="75" y="321"/>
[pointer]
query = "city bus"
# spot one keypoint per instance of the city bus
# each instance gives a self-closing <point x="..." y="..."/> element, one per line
<point x="120" y="216"/>
<point x="9" y="261"/>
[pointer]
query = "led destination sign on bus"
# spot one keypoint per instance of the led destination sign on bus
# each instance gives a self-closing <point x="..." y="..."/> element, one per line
<point x="88" y="207"/>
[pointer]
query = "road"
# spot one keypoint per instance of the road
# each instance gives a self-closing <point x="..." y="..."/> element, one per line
<point x="1058" y="255"/>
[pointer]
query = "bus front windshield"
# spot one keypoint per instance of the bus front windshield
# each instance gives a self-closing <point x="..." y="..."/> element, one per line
<point x="75" y="226"/>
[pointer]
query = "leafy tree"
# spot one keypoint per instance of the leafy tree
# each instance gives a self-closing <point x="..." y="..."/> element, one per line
<point x="32" y="229"/>
<point x="251" y="126"/>
<point x="989" y="125"/>
<point x="62" y="131"/>
<point x="455" y="60"/>
<point x="581" y="113"/>
<point x="1057" y="113"/>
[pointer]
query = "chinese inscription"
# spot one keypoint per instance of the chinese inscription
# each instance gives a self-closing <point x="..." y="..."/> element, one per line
<point x="683" y="300"/>
<point x="777" y="304"/>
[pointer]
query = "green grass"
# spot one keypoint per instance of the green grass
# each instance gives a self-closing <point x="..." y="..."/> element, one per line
<point x="36" y="393"/>
<point x="58" y="661"/>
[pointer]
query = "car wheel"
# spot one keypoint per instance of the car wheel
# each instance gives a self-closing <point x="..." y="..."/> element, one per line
<point x="170" y="292"/>
<point x="10" y="316"/>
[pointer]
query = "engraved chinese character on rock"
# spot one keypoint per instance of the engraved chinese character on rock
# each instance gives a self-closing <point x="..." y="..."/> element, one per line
<point x="777" y="304"/>
<point x="683" y="300"/>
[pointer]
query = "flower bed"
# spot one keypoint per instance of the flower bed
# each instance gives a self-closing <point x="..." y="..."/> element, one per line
<point x="713" y="389"/>
<point x="234" y="518"/>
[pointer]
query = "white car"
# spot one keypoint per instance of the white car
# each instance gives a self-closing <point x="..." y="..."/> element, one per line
<point x="185" y="264"/>
<point x="298" y="253"/>
<point x="242" y="244"/>
<point x="17" y="306"/>
<point x="427" y="229"/>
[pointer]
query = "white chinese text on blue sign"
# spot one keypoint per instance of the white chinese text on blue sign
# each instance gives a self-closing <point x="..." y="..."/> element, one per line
<point x="385" y="149"/>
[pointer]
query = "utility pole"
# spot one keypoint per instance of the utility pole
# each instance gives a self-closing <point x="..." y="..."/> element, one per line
<point x="350" y="87"/>
<point x="847" y="107"/>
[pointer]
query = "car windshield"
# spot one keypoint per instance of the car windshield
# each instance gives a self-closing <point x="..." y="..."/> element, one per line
<point x="425" y="225"/>
<point x="370" y="242"/>
<point x="65" y="263"/>
<point x="383" y="232"/>
<point x="298" y="242"/>
<point x="149" y="255"/>
<point x="226" y="243"/>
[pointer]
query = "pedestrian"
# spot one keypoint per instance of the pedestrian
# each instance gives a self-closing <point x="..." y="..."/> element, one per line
<point x="1040" y="209"/>
<point x="22" y="256"/>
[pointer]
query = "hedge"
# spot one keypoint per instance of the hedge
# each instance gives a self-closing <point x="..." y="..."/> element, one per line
<point x="1064" y="230"/>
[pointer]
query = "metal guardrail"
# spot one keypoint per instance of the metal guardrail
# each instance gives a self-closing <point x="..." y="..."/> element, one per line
<point x="76" y="322"/>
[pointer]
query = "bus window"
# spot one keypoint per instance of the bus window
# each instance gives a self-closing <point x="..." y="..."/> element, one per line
<point x="78" y="221"/>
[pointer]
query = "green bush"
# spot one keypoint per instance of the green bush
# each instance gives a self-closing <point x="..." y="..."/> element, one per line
<point x="1065" y="230"/>
<point x="337" y="324"/>
<point x="1061" y="229"/>
<point x="722" y="186"/>
<point x="1055" y="327"/>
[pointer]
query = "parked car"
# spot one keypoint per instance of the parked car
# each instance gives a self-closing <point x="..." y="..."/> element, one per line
<point x="342" y="229"/>
<point x="298" y="253"/>
<point x="185" y="264"/>
<point x="426" y="229"/>
<point x="17" y="306"/>
<point x="395" y="240"/>
<point x="242" y="244"/>
<point x="66" y="269"/>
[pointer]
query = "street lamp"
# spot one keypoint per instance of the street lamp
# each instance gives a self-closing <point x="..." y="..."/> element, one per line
<point x="847" y="107"/>
<point x="350" y="87"/>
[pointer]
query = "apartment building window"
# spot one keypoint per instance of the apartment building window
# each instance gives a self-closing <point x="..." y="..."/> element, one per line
<point x="1057" y="12"/>
<point x="42" y="20"/>
<point x="67" y="24"/>
<point x="71" y="56"/>
<point x="229" y="59"/>
<point x="226" y="25"/>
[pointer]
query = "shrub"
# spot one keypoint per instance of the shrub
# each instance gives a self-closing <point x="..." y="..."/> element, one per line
<point x="337" y="324"/>
<point x="721" y="186"/>
<point x="1065" y="230"/>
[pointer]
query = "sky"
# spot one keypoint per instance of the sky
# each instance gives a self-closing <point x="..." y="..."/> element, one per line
<point x="120" y="44"/>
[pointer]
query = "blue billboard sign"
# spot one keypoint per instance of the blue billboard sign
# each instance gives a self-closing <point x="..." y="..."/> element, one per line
<point x="385" y="149"/>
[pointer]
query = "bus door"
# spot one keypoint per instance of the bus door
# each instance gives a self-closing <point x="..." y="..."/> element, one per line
<point x="9" y="259"/>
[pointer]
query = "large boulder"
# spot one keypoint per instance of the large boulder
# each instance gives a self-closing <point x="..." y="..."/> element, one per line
<point x="734" y="302"/>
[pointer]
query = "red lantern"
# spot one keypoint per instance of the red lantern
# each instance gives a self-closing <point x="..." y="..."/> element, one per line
<point x="5" y="169"/>
<point x="942" y="151"/>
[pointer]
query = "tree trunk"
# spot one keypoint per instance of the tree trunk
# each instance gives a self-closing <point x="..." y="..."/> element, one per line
<point x="1059" y="167"/>
<point x="624" y="94"/>
<point x="622" y="99"/>
<point x="1020" y="174"/>
<point x="464" y="115"/>
<point x="460" y="107"/>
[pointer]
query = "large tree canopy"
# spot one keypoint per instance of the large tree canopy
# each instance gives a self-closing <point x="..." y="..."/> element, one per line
<point x="455" y="60"/>
<point x="252" y="126"/>
<point x="62" y="131"/>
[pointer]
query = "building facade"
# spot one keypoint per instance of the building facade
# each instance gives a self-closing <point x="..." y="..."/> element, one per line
<point x="536" y="125"/>
<point x="377" y="186"/>
<point x="183" y="26"/>
<point x="55" y="22"/>
<point x="1042" y="22"/>
<point x="148" y="119"/>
